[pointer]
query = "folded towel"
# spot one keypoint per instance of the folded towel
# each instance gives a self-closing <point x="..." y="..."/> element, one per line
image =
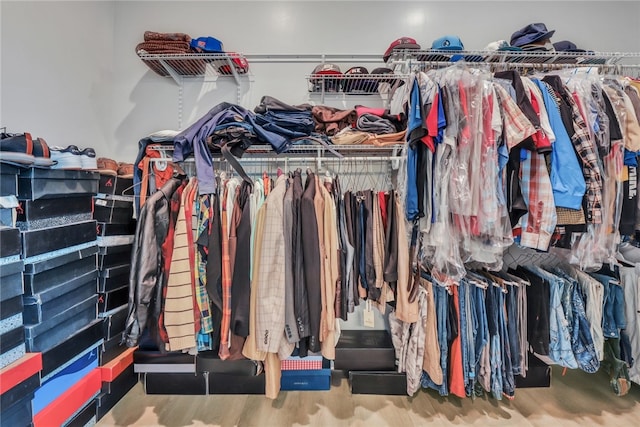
<point x="151" y="35"/>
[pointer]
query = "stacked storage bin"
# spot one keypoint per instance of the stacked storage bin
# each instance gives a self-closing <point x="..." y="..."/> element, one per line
<point x="59" y="247"/>
<point x="19" y="371"/>
<point x="113" y="213"/>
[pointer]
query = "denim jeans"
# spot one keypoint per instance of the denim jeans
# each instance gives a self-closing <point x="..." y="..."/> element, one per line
<point x="613" y="318"/>
<point x="508" y="381"/>
<point x="442" y="305"/>
<point x="581" y="340"/>
<point x="481" y="335"/>
<point x="513" y="330"/>
<point x="467" y="328"/>
<point x="493" y="318"/>
<point x="559" y="340"/>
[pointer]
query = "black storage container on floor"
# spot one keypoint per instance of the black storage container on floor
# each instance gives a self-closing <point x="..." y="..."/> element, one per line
<point x="175" y="383"/>
<point x="378" y="382"/>
<point x="365" y="350"/>
<point x="36" y="184"/>
<point x="236" y="384"/>
<point x="208" y="361"/>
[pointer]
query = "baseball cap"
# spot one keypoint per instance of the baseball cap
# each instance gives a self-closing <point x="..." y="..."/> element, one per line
<point x="567" y="46"/>
<point x="327" y="69"/>
<point x="531" y="33"/>
<point x="353" y="83"/>
<point x="400" y="43"/>
<point x="207" y="44"/>
<point x="328" y="85"/>
<point x="501" y="45"/>
<point x="239" y="62"/>
<point x="447" y="43"/>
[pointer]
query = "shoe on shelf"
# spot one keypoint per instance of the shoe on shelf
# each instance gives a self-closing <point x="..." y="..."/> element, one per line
<point x="629" y="252"/>
<point x="23" y="150"/>
<point x="88" y="159"/>
<point x="67" y="158"/>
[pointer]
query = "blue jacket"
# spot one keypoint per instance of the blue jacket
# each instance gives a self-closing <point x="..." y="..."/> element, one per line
<point x="567" y="180"/>
<point x="193" y="140"/>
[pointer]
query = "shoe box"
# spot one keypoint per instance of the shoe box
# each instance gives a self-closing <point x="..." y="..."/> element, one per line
<point x="41" y="213"/>
<point x="113" y="211"/>
<point x="365" y="350"/>
<point x="114" y="299"/>
<point x="49" y="239"/>
<point x="113" y="391"/>
<point x="81" y="341"/>
<point x="114" y="322"/>
<point x="11" y="279"/>
<point x="8" y="179"/>
<point x="44" y="305"/>
<point x="18" y="383"/>
<point x="538" y="374"/>
<point x="61" y="267"/>
<point x="86" y="416"/>
<point x="156" y="361"/>
<point x="230" y="376"/>
<point x="8" y="210"/>
<point x="111" y="256"/>
<point x="36" y="183"/>
<point x="56" y="385"/>
<point x="47" y="334"/>
<point x="313" y="379"/>
<point x="12" y="338"/>
<point x="378" y="382"/>
<point x="111" y="349"/>
<point x="105" y="229"/>
<point x="115" y="185"/>
<point x="175" y="383"/>
<point x="10" y="242"/>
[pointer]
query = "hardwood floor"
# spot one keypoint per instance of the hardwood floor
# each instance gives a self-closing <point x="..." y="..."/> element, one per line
<point x="575" y="399"/>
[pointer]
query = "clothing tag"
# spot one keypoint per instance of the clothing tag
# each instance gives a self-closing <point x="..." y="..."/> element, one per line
<point x="369" y="318"/>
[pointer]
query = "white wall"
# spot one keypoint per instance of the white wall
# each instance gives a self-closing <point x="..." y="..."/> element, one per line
<point x="70" y="73"/>
<point x="57" y="71"/>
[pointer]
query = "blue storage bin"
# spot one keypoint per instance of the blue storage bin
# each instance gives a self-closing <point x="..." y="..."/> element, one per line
<point x="318" y="379"/>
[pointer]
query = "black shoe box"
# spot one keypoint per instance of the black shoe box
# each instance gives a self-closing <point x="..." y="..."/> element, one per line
<point x="114" y="256"/>
<point x="538" y="374"/>
<point x="111" y="300"/>
<point x="113" y="211"/>
<point x="36" y="184"/>
<point x="19" y="392"/>
<point x="187" y="383"/>
<point x="10" y="307"/>
<point x="10" y="242"/>
<point x="36" y="242"/>
<point x="18" y="414"/>
<point x="41" y="307"/>
<point x="107" y="284"/>
<point x="378" y="382"/>
<point x="111" y="349"/>
<point x="115" y="322"/>
<point x="208" y="361"/>
<point x="236" y="384"/>
<point x="57" y="329"/>
<point x="85" y="416"/>
<point x="6" y="217"/>
<point x="365" y="350"/>
<point x="78" y="343"/>
<point x="44" y="212"/>
<point x="45" y="274"/>
<point x="11" y="284"/>
<point x="115" y="185"/>
<point x="112" y="392"/>
<point x="11" y="339"/>
<point x="8" y="180"/>
<point x="106" y="229"/>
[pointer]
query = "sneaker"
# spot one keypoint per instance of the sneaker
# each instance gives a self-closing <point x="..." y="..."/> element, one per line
<point x="22" y="149"/>
<point x="67" y="158"/>
<point x="88" y="159"/>
<point x="629" y="252"/>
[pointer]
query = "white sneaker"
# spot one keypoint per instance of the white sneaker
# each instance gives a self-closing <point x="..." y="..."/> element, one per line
<point x="88" y="158"/>
<point x="66" y="158"/>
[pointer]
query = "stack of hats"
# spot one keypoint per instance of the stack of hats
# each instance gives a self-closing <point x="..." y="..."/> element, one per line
<point x="533" y="37"/>
<point x="326" y="78"/>
<point x="401" y="43"/>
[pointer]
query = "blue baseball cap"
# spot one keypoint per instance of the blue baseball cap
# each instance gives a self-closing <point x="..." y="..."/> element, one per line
<point x="207" y="44"/>
<point x="448" y="43"/>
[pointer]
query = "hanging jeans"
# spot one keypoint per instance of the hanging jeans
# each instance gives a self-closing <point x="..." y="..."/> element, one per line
<point x="613" y="318"/>
<point x="493" y="319"/>
<point x="442" y="304"/>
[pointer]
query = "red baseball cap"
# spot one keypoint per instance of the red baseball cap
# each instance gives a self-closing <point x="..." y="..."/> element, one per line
<point x="401" y="43"/>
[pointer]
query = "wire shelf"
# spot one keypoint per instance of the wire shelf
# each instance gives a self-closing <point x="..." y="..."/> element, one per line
<point x="360" y="84"/>
<point x="194" y="65"/>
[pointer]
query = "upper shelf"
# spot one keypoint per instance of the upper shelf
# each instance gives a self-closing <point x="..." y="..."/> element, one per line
<point x="192" y="65"/>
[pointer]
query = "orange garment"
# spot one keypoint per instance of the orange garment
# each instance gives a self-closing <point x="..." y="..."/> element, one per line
<point x="456" y="377"/>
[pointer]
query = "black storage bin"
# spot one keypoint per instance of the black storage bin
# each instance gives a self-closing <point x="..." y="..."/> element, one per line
<point x="378" y="382"/>
<point x="365" y="350"/>
<point x="37" y="213"/>
<point x="208" y="361"/>
<point x="113" y="211"/>
<point x="175" y="383"/>
<point x="236" y="384"/>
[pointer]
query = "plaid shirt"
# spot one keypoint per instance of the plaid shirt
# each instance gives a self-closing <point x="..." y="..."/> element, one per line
<point x="539" y="222"/>
<point x="517" y="127"/>
<point x="586" y="149"/>
<point x="203" y="213"/>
